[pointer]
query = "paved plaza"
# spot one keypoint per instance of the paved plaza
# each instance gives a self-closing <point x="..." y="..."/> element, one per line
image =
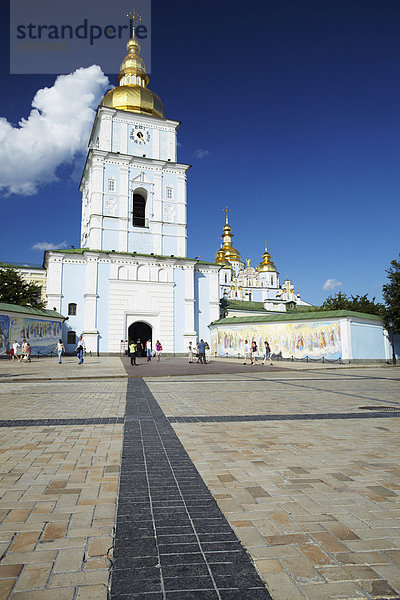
<point x="181" y="482"/>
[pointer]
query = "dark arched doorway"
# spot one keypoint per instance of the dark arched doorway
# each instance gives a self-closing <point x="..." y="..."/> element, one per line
<point x="140" y="331"/>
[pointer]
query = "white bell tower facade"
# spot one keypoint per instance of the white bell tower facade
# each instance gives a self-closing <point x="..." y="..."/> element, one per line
<point x="133" y="188"/>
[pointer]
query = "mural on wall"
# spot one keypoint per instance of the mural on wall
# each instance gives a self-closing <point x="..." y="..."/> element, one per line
<point x="312" y="339"/>
<point x="4" y="334"/>
<point x="42" y="335"/>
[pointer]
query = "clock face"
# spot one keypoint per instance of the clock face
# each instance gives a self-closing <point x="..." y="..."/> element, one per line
<point x="140" y="135"/>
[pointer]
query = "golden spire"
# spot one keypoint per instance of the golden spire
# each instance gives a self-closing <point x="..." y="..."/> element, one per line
<point x="266" y="264"/>
<point x="229" y="252"/>
<point x="132" y="93"/>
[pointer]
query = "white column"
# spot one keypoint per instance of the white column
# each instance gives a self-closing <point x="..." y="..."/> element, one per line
<point x="90" y="332"/>
<point x="190" y="333"/>
<point x="345" y="336"/>
<point x="54" y="282"/>
<point x="123" y="207"/>
<point x="388" y="345"/>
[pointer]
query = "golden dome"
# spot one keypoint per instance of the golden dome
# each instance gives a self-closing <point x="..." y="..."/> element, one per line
<point x="135" y="99"/>
<point x="266" y="264"/>
<point x="132" y="93"/>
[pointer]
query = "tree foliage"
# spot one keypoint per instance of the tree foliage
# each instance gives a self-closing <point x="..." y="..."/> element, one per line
<point x="391" y="295"/>
<point x="356" y="303"/>
<point x="15" y="290"/>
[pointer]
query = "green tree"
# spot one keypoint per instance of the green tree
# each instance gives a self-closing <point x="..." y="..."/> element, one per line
<point x="356" y="303"/>
<point x="391" y="295"/>
<point x="15" y="290"/>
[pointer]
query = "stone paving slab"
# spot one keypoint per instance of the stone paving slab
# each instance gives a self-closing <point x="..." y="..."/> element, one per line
<point x="315" y="502"/>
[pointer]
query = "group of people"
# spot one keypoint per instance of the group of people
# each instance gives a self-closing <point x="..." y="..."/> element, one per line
<point x="135" y="349"/>
<point x="21" y="352"/>
<point x="199" y="352"/>
<point x="251" y="351"/>
<point x="79" y="350"/>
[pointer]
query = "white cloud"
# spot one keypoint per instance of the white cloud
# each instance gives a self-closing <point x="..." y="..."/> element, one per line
<point x="331" y="284"/>
<point x="49" y="246"/>
<point x="201" y="153"/>
<point x="56" y="131"/>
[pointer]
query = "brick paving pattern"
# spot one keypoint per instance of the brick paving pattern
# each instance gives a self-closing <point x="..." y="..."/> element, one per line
<point x="314" y="500"/>
<point x="172" y="541"/>
<point x="299" y="469"/>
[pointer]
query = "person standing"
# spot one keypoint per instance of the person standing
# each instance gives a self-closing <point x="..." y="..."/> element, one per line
<point x="28" y="352"/>
<point x="267" y="353"/>
<point x="254" y="360"/>
<point x="15" y="348"/>
<point x="60" y="350"/>
<point x="23" y="351"/>
<point x="148" y="350"/>
<point x="132" y="352"/>
<point x="202" y="351"/>
<point x="246" y="352"/>
<point x="190" y="353"/>
<point x="80" y="349"/>
<point x="139" y="347"/>
<point x="158" y="350"/>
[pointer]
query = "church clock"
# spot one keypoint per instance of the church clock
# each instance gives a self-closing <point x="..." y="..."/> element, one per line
<point x="140" y="135"/>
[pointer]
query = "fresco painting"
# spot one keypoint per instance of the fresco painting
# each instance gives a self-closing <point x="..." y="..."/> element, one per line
<point x="4" y="333"/>
<point x="315" y="339"/>
<point x="42" y="335"/>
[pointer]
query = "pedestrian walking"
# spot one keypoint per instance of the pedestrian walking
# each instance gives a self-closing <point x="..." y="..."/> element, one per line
<point x="158" y="350"/>
<point x="202" y="351"/>
<point x="28" y="352"/>
<point x="15" y="348"/>
<point x="254" y="360"/>
<point x="23" y="351"/>
<point x="132" y="352"/>
<point x="60" y="350"/>
<point x="190" y="353"/>
<point x="80" y="349"/>
<point x="267" y="353"/>
<point x="246" y="352"/>
<point x="148" y="350"/>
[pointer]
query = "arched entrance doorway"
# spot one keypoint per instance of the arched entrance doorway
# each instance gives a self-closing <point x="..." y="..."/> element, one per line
<point x="140" y="331"/>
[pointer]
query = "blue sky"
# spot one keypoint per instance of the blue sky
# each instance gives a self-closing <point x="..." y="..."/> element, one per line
<point x="294" y="107"/>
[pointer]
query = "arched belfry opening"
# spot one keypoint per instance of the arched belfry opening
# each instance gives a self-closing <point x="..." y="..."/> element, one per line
<point x="139" y="330"/>
<point x="139" y="200"/>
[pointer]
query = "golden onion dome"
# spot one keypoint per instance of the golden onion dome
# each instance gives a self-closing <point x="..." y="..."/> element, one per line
<point x="266" y="264"/>
<point x="132" y="93"/>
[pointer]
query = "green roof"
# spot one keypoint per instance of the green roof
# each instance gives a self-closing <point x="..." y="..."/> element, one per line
<point x="131" y="254"/>
<point x="296" y="316"/>
<point x="245" y="305"/>
<point x="5" y="265"/>
<point x="39" y="312"/>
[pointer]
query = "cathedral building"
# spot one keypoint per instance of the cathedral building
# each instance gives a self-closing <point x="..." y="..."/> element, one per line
<point x="131" y="277"/>
<point x="238" y="281"/>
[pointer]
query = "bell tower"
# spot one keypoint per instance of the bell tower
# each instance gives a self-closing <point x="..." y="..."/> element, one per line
<point x="133" y="188"/>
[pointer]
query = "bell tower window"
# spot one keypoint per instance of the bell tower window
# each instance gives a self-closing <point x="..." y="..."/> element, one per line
<point x="139" y="210"/>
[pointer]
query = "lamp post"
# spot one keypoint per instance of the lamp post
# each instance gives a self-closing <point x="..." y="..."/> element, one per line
<point x="391" y="325"/>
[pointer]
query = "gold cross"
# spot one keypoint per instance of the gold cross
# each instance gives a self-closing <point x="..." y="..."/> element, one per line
<point x="226" y="209"/>
<point x="134" y="17"/>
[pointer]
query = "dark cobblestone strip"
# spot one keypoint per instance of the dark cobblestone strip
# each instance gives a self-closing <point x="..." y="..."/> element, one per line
<point x="49" y="422"/>
<point x="290" y="417"/>
<point x="172" y="542"/>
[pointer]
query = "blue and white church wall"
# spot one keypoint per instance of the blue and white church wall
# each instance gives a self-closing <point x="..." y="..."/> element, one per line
<point x="41" y="328"/>
<point x="104" y="293"/>
<point x="332" y="335"/>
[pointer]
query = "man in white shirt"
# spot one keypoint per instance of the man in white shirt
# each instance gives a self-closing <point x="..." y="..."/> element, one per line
<point x="246" y="351"/>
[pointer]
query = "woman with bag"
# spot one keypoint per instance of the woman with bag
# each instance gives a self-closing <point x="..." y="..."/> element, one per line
<point x="158" y="350"/>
